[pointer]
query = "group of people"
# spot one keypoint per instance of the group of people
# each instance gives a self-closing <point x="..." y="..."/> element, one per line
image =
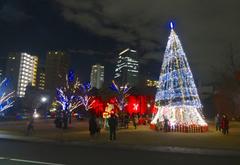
<point x="63" y="118"/>
<point x="163" y="126"/>
<point x="96" y="124"/>
<point x="222" y="123"/>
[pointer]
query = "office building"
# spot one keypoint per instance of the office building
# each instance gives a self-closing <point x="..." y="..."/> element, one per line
<point x="57" y="65"/>
<point x="97" y="76"/>
<point x="127" y="68"/>
<point x="21" y="71"/>
<point x="41" y="78"/>
<point x="2" y="68"/>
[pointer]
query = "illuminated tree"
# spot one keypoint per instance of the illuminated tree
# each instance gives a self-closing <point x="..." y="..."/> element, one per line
<point x="5" y="98"/>
<point x="68" y="95"/>
<point x="86" y="100"/>
<point x="122" y="94"/>
<point x="68" y="98"/>
<point x="177" y="98"/>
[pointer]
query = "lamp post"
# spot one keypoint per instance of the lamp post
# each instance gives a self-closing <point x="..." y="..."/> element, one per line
<point x="43" y="99"/>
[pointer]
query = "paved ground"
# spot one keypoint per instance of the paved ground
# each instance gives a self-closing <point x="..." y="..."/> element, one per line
<point x="78" y="132"/>
<point x="22" y="153"/>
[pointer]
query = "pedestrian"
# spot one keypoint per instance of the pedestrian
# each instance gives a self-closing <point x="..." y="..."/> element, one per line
<point x="166" y="126"/>
<point x="218" y="122"/>
<point x="30" y="126"/>
<point x="92" y="125"/>
<point x="135" y="121"/>
<point x="126" y="121"/>
<point x="225" y="124"/>
<point x="112" y="122"/>
<point x="158" y="125"/>
<point x="65" y="119"/>
<point x="99" y="124"/>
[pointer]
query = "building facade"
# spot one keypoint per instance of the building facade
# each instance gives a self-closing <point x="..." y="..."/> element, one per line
<point x="21" y="71"/>
<point x="127" y="67"/>
<point x="57" y="65"/>
<point x="41" y="78"/>
<point x="97" y="76"/>
<point x="2" y="68"/>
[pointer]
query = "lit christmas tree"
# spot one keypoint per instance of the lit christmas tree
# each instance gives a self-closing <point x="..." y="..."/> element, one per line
<point x="177" y="98"/>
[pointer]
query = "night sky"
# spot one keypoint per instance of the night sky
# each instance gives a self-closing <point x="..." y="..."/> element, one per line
<point x="94" y="31"/>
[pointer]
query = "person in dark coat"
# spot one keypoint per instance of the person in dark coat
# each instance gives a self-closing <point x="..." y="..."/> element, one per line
<point x="166" y="125"/>
<point x="92" y="125"/>
<point x="30" y="126"/>
<point x="112" y="122"/>
<point x="126" y="121"/>
<point x="218" y="122"/>
<point x="135" y="121"/>
<point x="225" y="124"/>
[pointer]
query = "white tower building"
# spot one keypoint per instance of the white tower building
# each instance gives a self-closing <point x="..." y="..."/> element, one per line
<point x="97" y="76"/>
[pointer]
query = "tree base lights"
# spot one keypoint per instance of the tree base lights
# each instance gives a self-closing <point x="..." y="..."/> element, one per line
<point x="180" y="119"/>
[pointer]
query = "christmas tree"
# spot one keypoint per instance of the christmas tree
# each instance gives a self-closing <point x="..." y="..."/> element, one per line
<point x="177" y="98"/>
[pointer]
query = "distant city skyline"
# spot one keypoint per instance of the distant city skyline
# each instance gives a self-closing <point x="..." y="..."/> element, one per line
<point x="91" y="35"/>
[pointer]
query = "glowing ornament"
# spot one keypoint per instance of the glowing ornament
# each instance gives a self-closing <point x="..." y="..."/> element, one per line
<point x="135" y="107"/>
<point x="171" y="25"/>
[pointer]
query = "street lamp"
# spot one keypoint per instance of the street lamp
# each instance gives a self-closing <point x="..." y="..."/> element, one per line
<point x="43" y="99"/>
<point x="35" y="114"/>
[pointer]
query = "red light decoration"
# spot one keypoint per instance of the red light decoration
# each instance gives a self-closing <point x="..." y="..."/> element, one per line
<point x="135" y="104"/>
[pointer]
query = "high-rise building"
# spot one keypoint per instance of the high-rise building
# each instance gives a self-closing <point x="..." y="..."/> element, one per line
<point x="41" y="78"/>
<point x="21" y="71"/>
<point x="97" y="76"/>
<point x="127" y="67"/>
<point x="57" y="63"/>
<point x="2" y="68"/>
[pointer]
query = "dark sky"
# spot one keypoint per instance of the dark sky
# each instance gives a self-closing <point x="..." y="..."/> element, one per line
<point x="96" y="30"/>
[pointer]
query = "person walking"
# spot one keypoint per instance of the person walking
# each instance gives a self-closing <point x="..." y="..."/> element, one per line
<point x="112" y="122"/>
<point x="92" y="125"/>
<point x="30" y="126"/>
<point x="225" y="124"/>
<point x="135" y="121"/>
<point x="166" y="125"/>
<point x="158" y="125"/>
<point x="218" y="122"/>
<point x="99" y="124"/>
<point x="126" y="121"/>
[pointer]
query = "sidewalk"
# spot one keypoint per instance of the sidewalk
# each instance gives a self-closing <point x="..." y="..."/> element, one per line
<point x="211" y="143"/>
<point x="165" y="149"/>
